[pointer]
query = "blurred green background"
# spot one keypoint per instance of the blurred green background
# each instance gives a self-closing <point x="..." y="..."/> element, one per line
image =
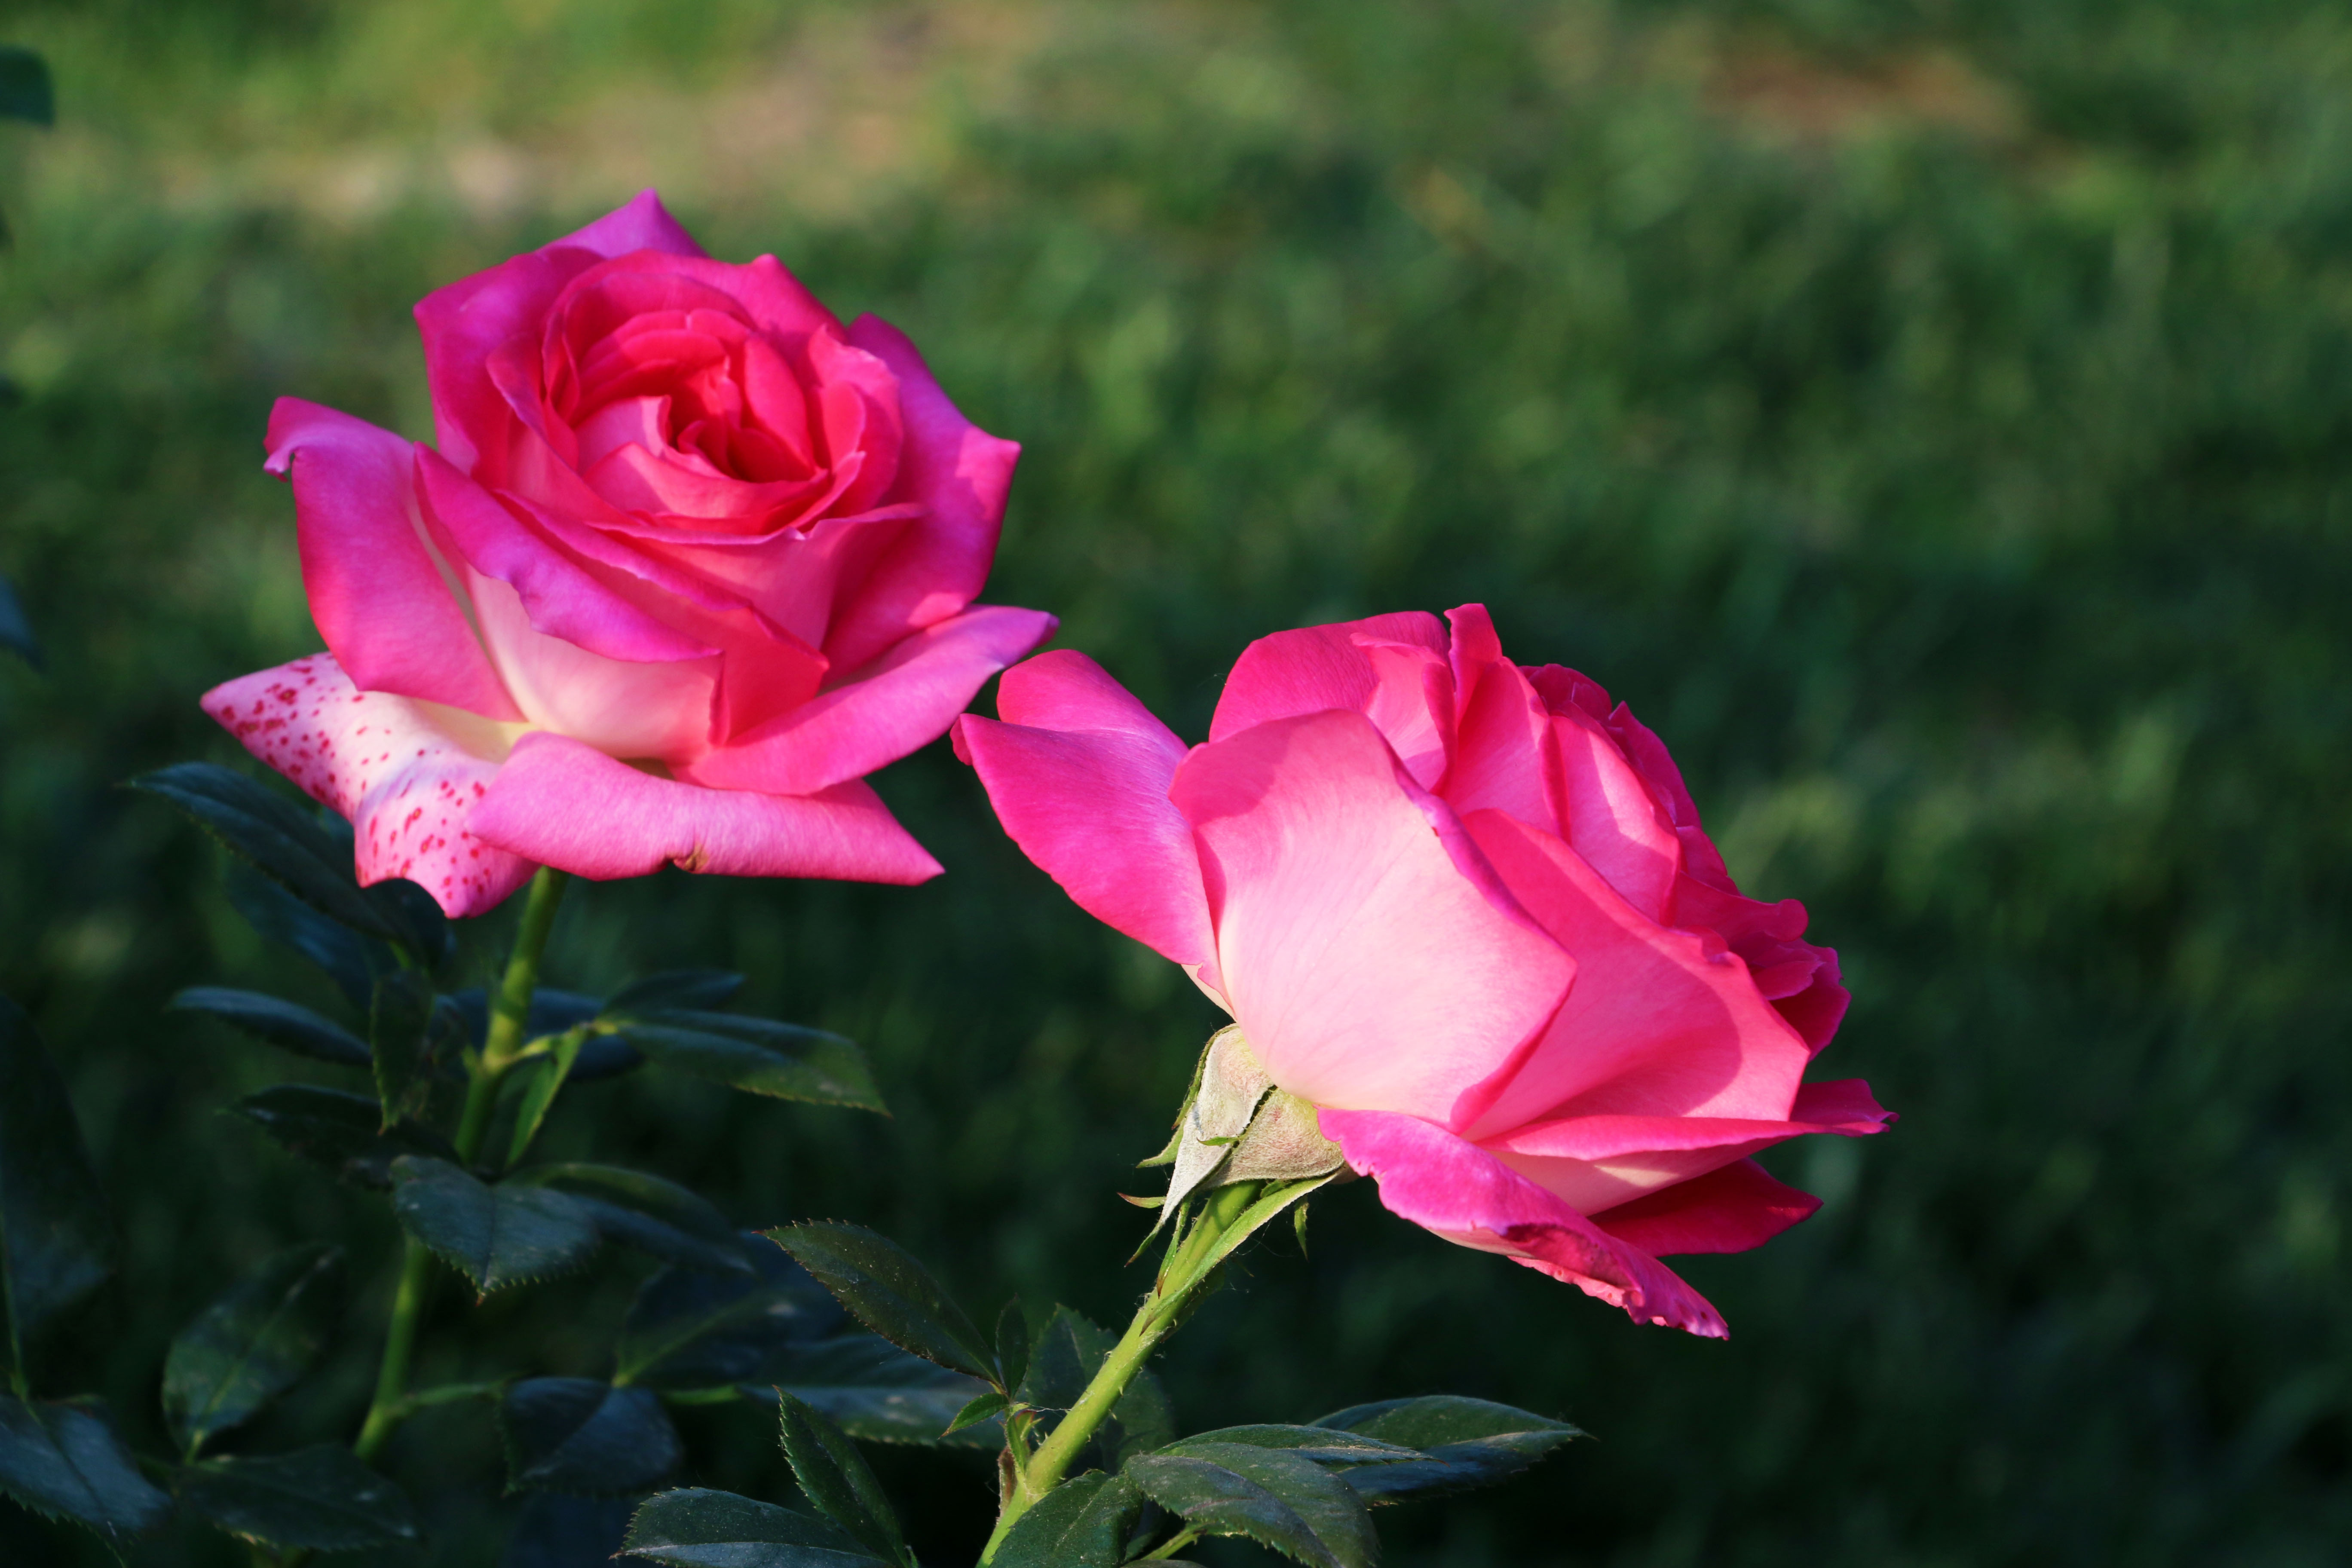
<point x="1934" y="418"/>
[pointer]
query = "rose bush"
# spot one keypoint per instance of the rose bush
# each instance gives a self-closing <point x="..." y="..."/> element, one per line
<point x="689" y="559"/>
<point x="1467" y="910"/>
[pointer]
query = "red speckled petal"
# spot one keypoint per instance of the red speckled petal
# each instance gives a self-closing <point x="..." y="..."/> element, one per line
<point x="408" y="774"/>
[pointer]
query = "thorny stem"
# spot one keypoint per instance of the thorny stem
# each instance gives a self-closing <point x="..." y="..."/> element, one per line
<point x="509" y="1012"/>
<point x="1194" y="1256"/>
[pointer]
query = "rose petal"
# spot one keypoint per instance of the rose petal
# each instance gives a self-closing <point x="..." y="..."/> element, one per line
<point x="1467" y="1196"/>
<point x="1613" y="820"/>
<point x="1503" y="755"/>
<point x="1730" y="1210"/>
<point x="879" y="714"/>
<point x="562" y="600"/>
<point x="567" y="805"/>
<point x="1595" y="1163"/>
<point x="641" y="223"/>
<point x="1315" y="670"/>
<point x="389" y="611"/>
<point x="1078" y="774"/>
<point x="407" y="775"/>
<point x="1661" y="1023"/>
<point x="1373" y="960"/>
<point x="618" y="706"/>
<point x="960" y="473"/>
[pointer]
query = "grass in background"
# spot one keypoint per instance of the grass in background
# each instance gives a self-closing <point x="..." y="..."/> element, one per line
<point x="1935" y="420"/>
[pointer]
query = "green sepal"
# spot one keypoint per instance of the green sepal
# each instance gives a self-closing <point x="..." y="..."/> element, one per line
<point x="834" y="1477"/>
<point x="883" y="1286"/>
<point x="66" y="1460"/>
<point x="497" y="1237"/>
<point x="577" y="1435"/>
<point x="275" y="1021"/>
<point x="319" y="1499"/>
<point x="694" y="1528"/>
<point x="55" y="1243"/>
<point x="252" y="1343"/>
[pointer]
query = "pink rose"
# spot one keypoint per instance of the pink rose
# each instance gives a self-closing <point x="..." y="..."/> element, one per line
<point x="692" y="559"/>
<point x="1465" y="908"/>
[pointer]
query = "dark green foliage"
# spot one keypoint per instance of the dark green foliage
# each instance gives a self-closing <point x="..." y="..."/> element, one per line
<point x="553" y="1531"/>
<point x="698" y="990"/>
<point x="65" y="1459"/>
<point x="692" y="1329"/>
<point x="286" y="1024"/>
<point x="24" y="89"/>
<point x="400" y="1042"/>
<point x="497" y="1236"/>
<point x="758" y="1055"/>
<point x="250" y="1346"/>
<point x="888" y="1291"/>
<point x="1932" y="419"/>
<point x="15" y="630"/>
<point x="1085" y="1522"/>
<point x="1465" y="1443"/>
<point x="876" y="1392"/>
<point x="835" y="1479"/>
<point x="286" y="841"/>
<point x="1271" y="1496"/>
<point x="55" y="1243"/>
<point x="319" y="1498"/>
<point x="577" y="1435"/>
<point x="656" y="1216"/>
<point x="354" y="963"/>
<point x="1318" y="1444"/>
<point x="341" y="1132"/>
<point x="698" y="1529"/>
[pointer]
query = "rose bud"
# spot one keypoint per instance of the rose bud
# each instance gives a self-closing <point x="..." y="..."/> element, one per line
<point x="688" y="560"/>
<point x="1467" y="910"/>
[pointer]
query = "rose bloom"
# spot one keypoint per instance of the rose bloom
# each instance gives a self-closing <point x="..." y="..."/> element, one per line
<point x="1467" y="910"/>
<point x="688" y="560"/>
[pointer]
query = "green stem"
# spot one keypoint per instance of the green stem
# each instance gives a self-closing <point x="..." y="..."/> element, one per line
<point x="1170" y="1547"/>
<point x="1230" y="1214"/>
<point x="503" y="1042"/>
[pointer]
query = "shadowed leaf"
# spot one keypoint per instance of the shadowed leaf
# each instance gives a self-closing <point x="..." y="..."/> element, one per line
<point x="251" y="1345"/>
<point x="690" y="1328"/>
<point x="1465" y="1443"/>
<point x="497" y="1237"/>
<point x="400" y="1041"/>
<point x="1270" y="1496"/>
<point x="1069" y="1350"/>
<point x="702" y="990"/>
<point x="876" y="1392"/>
<point x="1082" y="1523"/>
<point x="343" y="1132"/>
<point x="833" y="1475"/>
<point x="66" y="1460"/>
<point x="758" y="1055"/>
<point x="648" y="1213"/>
<point x="319" y="1499"/>
<point x="698" y="1529"/>
<point x="277" y="1022"/>
<point x="889" y="1293"/>
<point x="24" y="89"/>
<point x="55" y="1243"/>
<point x="577" y="1435"/>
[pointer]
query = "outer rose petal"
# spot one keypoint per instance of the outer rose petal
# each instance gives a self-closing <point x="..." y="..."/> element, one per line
<point x="641" y="223"/>
<point x="1661" y="1021"/>
<point x="1503" y="757"/>
<point x="960" y="473"/>
<point x="388" y="610"/>
<point x="1730" y="1210"/>
<point x="399" y="770"/>
<point x="1081" y="782"/>
<point x="881" y="715"/>
<point x="1466" y="1195"/>
<point x="571" y="806"/>
<point x="1371" y="958"/>
<point x="1315" y="670"/>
